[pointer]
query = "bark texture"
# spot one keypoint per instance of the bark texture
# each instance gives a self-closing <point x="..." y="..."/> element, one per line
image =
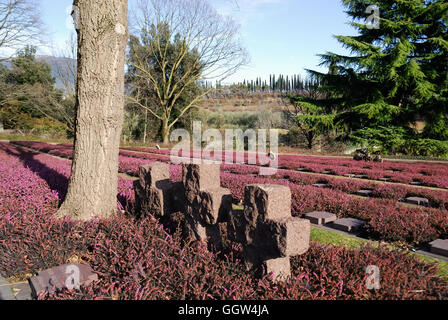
<point x="102" y="38"/>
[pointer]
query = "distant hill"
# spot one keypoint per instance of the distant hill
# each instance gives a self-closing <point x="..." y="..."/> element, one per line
<point x="59" y="66"/>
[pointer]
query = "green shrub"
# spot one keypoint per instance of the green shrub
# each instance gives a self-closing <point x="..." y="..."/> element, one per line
<point x="426" y="147"/>
<point x="294" y="137"/>
<point x="46" y="126"/>
<point x="390" y="140"/>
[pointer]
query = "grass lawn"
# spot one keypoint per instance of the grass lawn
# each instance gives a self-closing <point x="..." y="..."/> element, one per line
<point x="339" y="240"/>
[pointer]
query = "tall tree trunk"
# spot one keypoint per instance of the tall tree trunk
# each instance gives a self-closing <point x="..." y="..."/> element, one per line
<point x="146" y="126"/>
<point x="165" y="131"/>
<point x="102" y="38"/>
<point x="310" y="138"/>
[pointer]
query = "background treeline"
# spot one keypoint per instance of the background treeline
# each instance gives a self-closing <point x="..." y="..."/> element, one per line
<point x="30" y="103"/>
<point x="277" y="83"/>
<point x="390" y="94"/>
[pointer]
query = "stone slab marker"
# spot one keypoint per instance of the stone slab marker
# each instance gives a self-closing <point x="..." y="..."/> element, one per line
<point x="152" y="190"/>
<point x="207" y="204"/>
<point x="365" y="193"/>
<point x="321" y="185"/>
<point x="348" y="224"/>
<point x="320" y="217"/>
<point x="440" y="247"/>
<point x="419" y="201"/>
<point x="268" y="232"/>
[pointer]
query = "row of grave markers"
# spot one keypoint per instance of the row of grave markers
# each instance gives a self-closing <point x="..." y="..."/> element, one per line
<point x="266" y="229"/>
<point x="418" y="201"/>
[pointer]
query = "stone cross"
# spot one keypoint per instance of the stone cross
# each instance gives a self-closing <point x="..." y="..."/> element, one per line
<point x="152" y="190"/>
<point x="268" y="232"/>
<point x="206" y="203"/>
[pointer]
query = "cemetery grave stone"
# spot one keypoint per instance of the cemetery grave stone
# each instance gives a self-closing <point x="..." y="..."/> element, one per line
<point x="440" y="247"/>
<point x="348" y="224"/>
<point x="419" y="201"/>
<point x="153" y="190"/>
<point x="321" y="185"/>
<point x="207" y="204"/>
<point x="320" y="217"/>
<point x="364" y="193"/>
<point x="268" y="232"/>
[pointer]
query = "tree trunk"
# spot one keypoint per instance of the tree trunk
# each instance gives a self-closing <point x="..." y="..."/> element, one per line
<point x="146" y="126"/>
<point x="102" y="38"/>
<point x="165" y="132"/>
<point x="310" y="138"/>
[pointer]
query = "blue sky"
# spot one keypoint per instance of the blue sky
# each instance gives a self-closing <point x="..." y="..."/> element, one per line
<point x="281" y="36"/>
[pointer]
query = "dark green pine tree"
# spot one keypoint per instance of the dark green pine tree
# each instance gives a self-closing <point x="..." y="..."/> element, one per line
<point x="396" y="72"/>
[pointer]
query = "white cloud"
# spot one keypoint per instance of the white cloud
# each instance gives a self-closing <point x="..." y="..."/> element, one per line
<point x="243" y="10"/>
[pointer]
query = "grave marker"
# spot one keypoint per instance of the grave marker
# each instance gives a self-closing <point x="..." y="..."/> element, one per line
<point x="268" y="232"/>
<point x="320" y="217"/>
<point x="348" y="224"/>
<point x="440" y="247"/>
<point x="419" y="201"/>
<point x="152" y="190"/>
<point x="321" y="185"/>
<point x="364" y="193"/>
<point x="206" y="203"/>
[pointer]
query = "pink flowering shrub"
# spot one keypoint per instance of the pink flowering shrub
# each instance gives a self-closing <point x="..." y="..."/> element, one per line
<point x="416" y="225"/>
<point x="427" y="173"/>
<point x="140" y="260"/>
<point x="432" y="174"/>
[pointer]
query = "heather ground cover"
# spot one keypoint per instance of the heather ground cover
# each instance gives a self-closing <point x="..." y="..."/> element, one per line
<point x="129" y="163"/>
<point x="428" y="174"/>
<point x="425" y="173"/>
<point x="56" y="172"/>
<point x="140" y="260"/>
<point x="386" y="218"/>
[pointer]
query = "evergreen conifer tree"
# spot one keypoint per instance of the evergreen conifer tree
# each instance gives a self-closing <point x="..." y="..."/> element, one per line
<point x="397" y="72"/>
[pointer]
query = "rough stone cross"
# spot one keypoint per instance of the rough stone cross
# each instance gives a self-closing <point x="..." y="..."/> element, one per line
<point x="268" y="232"/>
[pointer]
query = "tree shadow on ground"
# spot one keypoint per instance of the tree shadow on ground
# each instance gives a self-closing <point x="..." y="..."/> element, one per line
<point x="55" y="180"/>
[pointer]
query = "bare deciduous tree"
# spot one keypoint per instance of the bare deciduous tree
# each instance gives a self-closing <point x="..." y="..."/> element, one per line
<point x="64" y="65"/>
<point x="19" y="23"/>
<point x="198" y="31"/>
<point x="65" y="68"/>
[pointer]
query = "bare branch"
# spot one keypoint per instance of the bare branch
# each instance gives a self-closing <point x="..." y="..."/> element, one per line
<point x="184" y="41"/>
<point x="20" y="24"/>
